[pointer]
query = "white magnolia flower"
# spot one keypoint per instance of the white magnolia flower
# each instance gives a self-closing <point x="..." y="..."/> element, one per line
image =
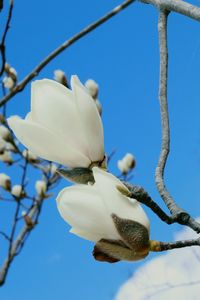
<point x="63" y="126"/>
<point x="92" y="209"/>
<point x="92" y="87"/>
<point x="41" y="187"/>
<point x="5" y="181"/>
<point x="17" y="190"/>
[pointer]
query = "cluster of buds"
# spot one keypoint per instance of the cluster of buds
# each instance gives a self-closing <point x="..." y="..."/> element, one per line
<point x="10" y="80"/>
<point x="5" y="138"/>
<point x="60" y="77"/>
<point x="126" y="164"/>
<point x="93" y="89"/>
<point x="6" y="145"/>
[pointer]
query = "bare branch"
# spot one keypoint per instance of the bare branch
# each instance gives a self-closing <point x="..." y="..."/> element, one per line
<point x="178" y="6"/>
<point x="178" y="213"/>
<point x="18" y="88"/>
<point x="2" y="43"/>
<point x="161" y="246"/>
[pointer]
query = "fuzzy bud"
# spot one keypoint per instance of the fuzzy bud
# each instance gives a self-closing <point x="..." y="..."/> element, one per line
<point x="2" y="146"/>
<point x="60" y="77"/>
<point x="17" y="191"/>
<point x="31" y="157"/>
<point x="92" y="87"/>
<point x="8" y="82"/>
<point x="5" y="133"/>
<point x="5" y="181"/>
<point x="126" y="163"/>
<point x="6" y="157"/>
<point x="41" y="187"/>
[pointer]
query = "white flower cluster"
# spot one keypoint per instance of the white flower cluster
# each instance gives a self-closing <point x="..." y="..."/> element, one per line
<point x="64" y="126"/>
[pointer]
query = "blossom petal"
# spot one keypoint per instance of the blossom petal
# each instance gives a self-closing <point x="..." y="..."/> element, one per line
<point x="53" y="106"/>
<point x="82" y="208"/>
<point x="45" y="144"/>
<point x="115" y="202"/>
<point x="90" y="119"/>
<point x="90" y="236"/>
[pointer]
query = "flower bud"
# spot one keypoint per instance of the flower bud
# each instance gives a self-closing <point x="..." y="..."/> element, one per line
<point x="27" y="219"/>
<point x="5" y="133"/>
<point x="5" y="181"/>
<point x="17" y="191"/>
<point x="53" y="169"/>
<point x="10" y="147"/>
<point x="6" y="157"/>
<point x="31" y="157"/>
<point x="60" y="77"/>
<point x="130" y="160"/>
<point x="8" y="82"/>
<point x="2" y="146"/>
<point x="122" y="166"/>
<point x="92" y="87"/>
<point x="41" y="187"/>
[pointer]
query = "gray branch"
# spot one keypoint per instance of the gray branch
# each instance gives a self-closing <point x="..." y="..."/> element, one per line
<point x="178" y="6"/>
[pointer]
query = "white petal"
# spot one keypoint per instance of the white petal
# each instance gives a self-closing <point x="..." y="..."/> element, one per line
<point x="90" y="236"/>
<point x="45" y="144"/>
<point x="115" y="202"/>
<point x="82" y="208"/>
<point x="53" y="106"/>
<point x="90" y="119"/>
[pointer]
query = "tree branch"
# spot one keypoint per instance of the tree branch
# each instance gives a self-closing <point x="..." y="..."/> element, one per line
<point x="178" y="6"/>
<point x="18" y="88"/>
<point x="157" y="246"/>
<point x="2" y="43"/>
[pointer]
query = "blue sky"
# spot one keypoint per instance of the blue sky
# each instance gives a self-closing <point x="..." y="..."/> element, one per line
<point x="122" y="56"/>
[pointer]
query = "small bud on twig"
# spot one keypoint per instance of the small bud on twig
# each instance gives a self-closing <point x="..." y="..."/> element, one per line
<point x="41" y="187"/>
<point x="5" y="181"/>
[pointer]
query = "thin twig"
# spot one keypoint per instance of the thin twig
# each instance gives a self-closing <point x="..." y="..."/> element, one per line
<point x="2" y="43"/>
<point x="18" y="88"/>
<point x="162" y="246"/>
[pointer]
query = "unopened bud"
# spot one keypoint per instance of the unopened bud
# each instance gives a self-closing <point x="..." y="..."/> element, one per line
<point x="5" y="181"/>
<point x="122" y="166"/>
<point x="10" y="147"/>
<point x="130" y="160"/>
<point x="31" y="157"/>
<point x="6" y="157"/>
<point x="60" y="77"/>
<point x="41" y="187"/>
<point x="2" y="146"/>
<point x="5" y="133"/>
<point x="17" y="191"/>
<point x="92" y="87"/>
<point x="8" y="82"/>
<point x="27" y="220"/>
<point x="127" y="163"/>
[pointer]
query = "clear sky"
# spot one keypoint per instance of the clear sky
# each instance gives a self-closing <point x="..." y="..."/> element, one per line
<point x="122" y="56"/>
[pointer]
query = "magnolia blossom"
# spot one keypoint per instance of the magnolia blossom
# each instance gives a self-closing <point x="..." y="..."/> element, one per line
<point x="63" y="125"/>
<point x="102" y="214"/>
